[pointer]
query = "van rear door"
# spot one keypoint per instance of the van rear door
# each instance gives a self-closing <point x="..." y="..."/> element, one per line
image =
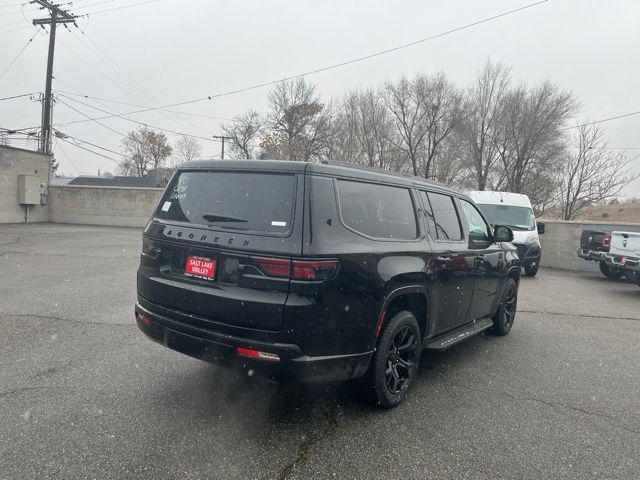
<point x="220" y="245"/>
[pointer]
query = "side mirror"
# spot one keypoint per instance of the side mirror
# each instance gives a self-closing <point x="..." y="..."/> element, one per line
<point x="502" y="233"/>
<point x="540" y="228"/>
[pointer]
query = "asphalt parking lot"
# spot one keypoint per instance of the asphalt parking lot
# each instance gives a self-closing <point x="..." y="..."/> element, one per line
<point x="84" y="395"/>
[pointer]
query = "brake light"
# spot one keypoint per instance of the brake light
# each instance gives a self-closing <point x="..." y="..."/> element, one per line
<point x="606" y="241"/>
<point x="297" y="269"/>
<point x="274" y="267"/>
<point x="149" y="248"/>
<point x="314" y="269"/>
<point x="257" y="354"/>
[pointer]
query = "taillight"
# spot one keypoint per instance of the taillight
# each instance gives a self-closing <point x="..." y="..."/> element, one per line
<point x="274" y="267"/>
<point x="313" y="270"/>
<point x="606" y="242"/>
<point x="149" y="248"/>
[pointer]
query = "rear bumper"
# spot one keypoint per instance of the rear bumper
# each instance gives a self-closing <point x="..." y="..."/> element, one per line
<point x="593" y="255"/>
<point x="220" y="348"/>
<point x="623" y="262"/>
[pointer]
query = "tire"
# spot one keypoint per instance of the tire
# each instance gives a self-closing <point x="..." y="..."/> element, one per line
<point x="506" y="313"/>
<point x="610" y="272"/>
<point x="531" y="269"/>
<point x="394" y="365"/>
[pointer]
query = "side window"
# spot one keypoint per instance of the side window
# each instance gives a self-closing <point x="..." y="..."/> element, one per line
<point x="378" y="211"/>
<point x="478" y="228"/>
<point x="444" y="218"/>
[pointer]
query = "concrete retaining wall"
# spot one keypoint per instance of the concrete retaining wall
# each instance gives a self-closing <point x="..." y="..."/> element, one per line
<point x="15" y="162"/>
<point x="114" y="206"/>
<point x="562" y="238"/>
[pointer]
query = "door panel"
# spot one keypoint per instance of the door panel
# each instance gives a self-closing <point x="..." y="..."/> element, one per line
<point x="451" y="265"/>
<point x="489" y="262"/>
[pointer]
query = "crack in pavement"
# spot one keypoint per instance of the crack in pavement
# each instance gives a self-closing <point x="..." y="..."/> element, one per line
<point x="304" y="448"/>
<point x="534" y="400"/>
<point x="584" y="315"/>
<point x="29" y="389"/>
<point x="62" y="319"/>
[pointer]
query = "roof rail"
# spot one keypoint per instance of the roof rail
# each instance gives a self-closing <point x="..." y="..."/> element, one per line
<point x="385" y="172"/>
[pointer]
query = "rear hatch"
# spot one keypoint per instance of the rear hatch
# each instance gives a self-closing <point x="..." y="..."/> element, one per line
<point x="593" y="240"/>
<point x="626" y="244"/>
<point x="218" y="242"/>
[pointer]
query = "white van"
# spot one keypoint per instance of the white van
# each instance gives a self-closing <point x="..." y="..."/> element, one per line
<point x="514" y="210"/>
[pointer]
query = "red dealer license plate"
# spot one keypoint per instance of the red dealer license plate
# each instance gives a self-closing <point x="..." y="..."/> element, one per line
<point x="200" y="267"/>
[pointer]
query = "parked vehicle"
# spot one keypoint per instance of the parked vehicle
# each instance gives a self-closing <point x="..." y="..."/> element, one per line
<point x="594" y="246"/>
<point x="624" y="254"/>
<point x="514" y="210"/>
<point x="321" y="271"/>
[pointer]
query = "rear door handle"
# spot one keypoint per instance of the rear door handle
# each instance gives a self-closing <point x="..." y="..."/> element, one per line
<point x="444" y="258"/>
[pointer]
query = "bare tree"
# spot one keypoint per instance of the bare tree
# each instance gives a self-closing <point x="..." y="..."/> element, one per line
<point x="146" y="152"/>
<point x="365" y="128"/>
<point x="480" y="127"/>
<point x="593" y="172"/>
<point x="533" y="141"/>
<point x="244" y="131"/>
<point x="441" y="102"/>
<point x="300" y="124"/>
<point x="409" y="114"/>
<point x="186" y="149"/>
<point x="448" y="167"/>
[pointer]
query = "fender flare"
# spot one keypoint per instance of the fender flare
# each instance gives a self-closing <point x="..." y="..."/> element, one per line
<point x="397" y="292"/>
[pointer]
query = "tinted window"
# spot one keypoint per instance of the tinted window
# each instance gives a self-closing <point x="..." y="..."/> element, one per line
<point x="478" y="228"/>
<point x="324" y="212"/>
<point x="258" y="202"/>
<point x="445" y="218"/>
<point x="377" y="210"/>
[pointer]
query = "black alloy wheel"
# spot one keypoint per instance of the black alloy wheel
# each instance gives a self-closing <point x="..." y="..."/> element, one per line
<point x="506" y="314"/>
<point x="394" y="364"/>
<point x="400" y="360"/>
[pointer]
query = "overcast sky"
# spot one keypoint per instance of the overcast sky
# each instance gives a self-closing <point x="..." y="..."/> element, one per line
<point x="171" y="51"/>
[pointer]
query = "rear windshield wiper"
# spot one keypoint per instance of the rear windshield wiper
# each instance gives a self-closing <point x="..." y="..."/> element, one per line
<point x="214" y="217"/>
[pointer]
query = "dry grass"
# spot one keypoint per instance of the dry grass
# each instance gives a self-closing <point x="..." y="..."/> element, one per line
<point x="628" y="212"/>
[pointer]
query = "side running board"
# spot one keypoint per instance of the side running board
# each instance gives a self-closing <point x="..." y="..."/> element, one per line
<point x="459" y="334"/>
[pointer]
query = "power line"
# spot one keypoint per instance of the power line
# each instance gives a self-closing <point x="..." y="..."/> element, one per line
<point x="96" y="49"/>
<point x="120" y="8"/>
<point x="91" y="151"/>
<point x="63" y="136"/>
<point x="111" y="114"/>
<point x="603" y="120"/>
<point x="138" y="105"/>
<point x="338" y="65"/>
<point x="17" y="96"/>
<point x="18" y="55"/>
<point x="58" y="145"/>
<point x="92" y="119"/>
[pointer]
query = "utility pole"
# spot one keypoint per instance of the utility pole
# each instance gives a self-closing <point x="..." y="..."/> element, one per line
<point x="222" y="138"/>
<point x="57" y="15"/>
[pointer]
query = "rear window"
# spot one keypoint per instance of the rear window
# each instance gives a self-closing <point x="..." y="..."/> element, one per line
<point x="378" y="211"/>
<point x="247" y="201"/>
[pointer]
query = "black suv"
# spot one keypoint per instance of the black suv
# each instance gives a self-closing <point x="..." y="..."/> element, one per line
<point x="320" y="271"/>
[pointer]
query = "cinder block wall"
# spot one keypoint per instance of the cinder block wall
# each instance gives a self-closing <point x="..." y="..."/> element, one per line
<point x="15" y="162"/>
<point x="562" y="239"/>
<point x="113" y="206"/>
